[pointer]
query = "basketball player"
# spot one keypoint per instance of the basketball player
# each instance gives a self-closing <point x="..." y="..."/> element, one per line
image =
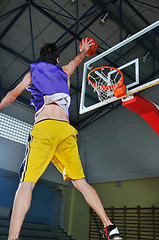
<point x="52" y="138"/>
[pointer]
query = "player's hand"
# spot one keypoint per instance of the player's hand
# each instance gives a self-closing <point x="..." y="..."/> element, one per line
<point x="86" y="44"/>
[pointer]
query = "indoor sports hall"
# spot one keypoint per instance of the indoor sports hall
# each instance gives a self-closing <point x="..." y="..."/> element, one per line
<point x="114" y="107"/>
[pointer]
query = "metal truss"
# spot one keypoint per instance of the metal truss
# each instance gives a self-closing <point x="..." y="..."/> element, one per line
<point x="99" y="7"/>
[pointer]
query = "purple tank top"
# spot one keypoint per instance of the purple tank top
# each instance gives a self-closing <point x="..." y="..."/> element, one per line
<point x="49" y="84"/>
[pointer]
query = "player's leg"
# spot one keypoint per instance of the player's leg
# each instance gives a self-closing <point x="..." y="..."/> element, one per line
<point x="21" y="206"/>
<point x="38" y="156"/>
<point x="68" y="162"/>
<point x="93" y="200"/>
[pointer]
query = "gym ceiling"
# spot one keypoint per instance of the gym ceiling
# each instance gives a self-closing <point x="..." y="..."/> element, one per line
<point x="26" y="24"/>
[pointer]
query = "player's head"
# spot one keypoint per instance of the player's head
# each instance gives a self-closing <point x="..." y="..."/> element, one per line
<point x="50" y="53"/>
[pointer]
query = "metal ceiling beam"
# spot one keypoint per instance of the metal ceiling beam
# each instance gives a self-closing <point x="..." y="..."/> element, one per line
<point x="84" y="28"/>
<point x="147" y="4"/>
<point x="139" y="43"/>
<point x="89" y="10"/>
<point x="121" y="23"/>
<point x="121" y="27"/>
<point x="96" y="17"/>
<point x="71" y="40"/>
<point x="119" y="12"/>
<point x="77" y="36"/>
<point x="77" y="70"/>
<point x="127" y="24"/>
<point x="31" y="32"/>
<point x="96" y="115"/>
<point x="84" y="15"/>
<point x="52" y="18"/>
<point x="58" y="13"/>
<point x="11" y="51"/>
<point x="23" y="8"/>
<point x="11" y="11"/>
<point x="137" y="12"/>
<point x="63" y="9"/>
<point x="78" y="90"/>
<point x="29" y="61"/>
<point x="68" y="30"/>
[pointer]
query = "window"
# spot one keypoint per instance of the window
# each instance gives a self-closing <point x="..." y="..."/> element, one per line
<point x="14" y="129"/>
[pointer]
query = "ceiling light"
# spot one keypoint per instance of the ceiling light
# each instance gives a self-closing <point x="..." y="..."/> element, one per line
<point x="128" y="35"/>
<point x="103" y="19"/>
<point x="144" y="59"/>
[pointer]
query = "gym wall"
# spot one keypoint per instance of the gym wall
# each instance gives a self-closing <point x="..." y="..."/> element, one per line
<point x="120" y="146"/>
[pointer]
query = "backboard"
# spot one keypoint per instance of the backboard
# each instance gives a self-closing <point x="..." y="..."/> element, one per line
<point x="137" y="57"/>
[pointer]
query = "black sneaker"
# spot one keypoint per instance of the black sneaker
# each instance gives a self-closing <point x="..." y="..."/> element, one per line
<point x="112" y="233"/>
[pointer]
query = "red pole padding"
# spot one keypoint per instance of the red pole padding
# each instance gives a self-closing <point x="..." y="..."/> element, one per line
<point x="146" y="109"/>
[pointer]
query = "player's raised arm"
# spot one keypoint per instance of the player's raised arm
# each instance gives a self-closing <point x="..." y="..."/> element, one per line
<point x="13" y="94"/>
<point x="70" y="68"/>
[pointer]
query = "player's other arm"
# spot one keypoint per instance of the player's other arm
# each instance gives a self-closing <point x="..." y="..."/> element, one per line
<point x="70" y="68"/>
<point x="13" y="94"/>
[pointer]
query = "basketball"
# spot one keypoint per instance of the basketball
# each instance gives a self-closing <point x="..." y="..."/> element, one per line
<point x="93" y="48"/>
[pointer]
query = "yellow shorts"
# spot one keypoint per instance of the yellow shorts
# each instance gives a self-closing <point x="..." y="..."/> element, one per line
<point x="56" y="141"/>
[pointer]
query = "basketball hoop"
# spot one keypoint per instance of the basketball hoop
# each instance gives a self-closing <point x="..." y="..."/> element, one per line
<point x="107" y="82"/>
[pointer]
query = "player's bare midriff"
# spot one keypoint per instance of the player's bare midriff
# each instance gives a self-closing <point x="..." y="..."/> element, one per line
<point x="51" y="111"/>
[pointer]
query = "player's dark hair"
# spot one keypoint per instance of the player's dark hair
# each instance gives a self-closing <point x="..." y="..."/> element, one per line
<point x="49" y="52"/>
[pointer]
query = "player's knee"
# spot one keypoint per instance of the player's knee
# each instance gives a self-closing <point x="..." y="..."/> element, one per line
<point x="28" y="186"/>
<point x="80" y="184"/>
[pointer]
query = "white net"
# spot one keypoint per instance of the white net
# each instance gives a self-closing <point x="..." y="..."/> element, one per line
<point x="104" y="81"/>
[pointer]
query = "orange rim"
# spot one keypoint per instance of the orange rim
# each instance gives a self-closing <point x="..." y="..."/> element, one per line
<point x="105" y="87"/>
